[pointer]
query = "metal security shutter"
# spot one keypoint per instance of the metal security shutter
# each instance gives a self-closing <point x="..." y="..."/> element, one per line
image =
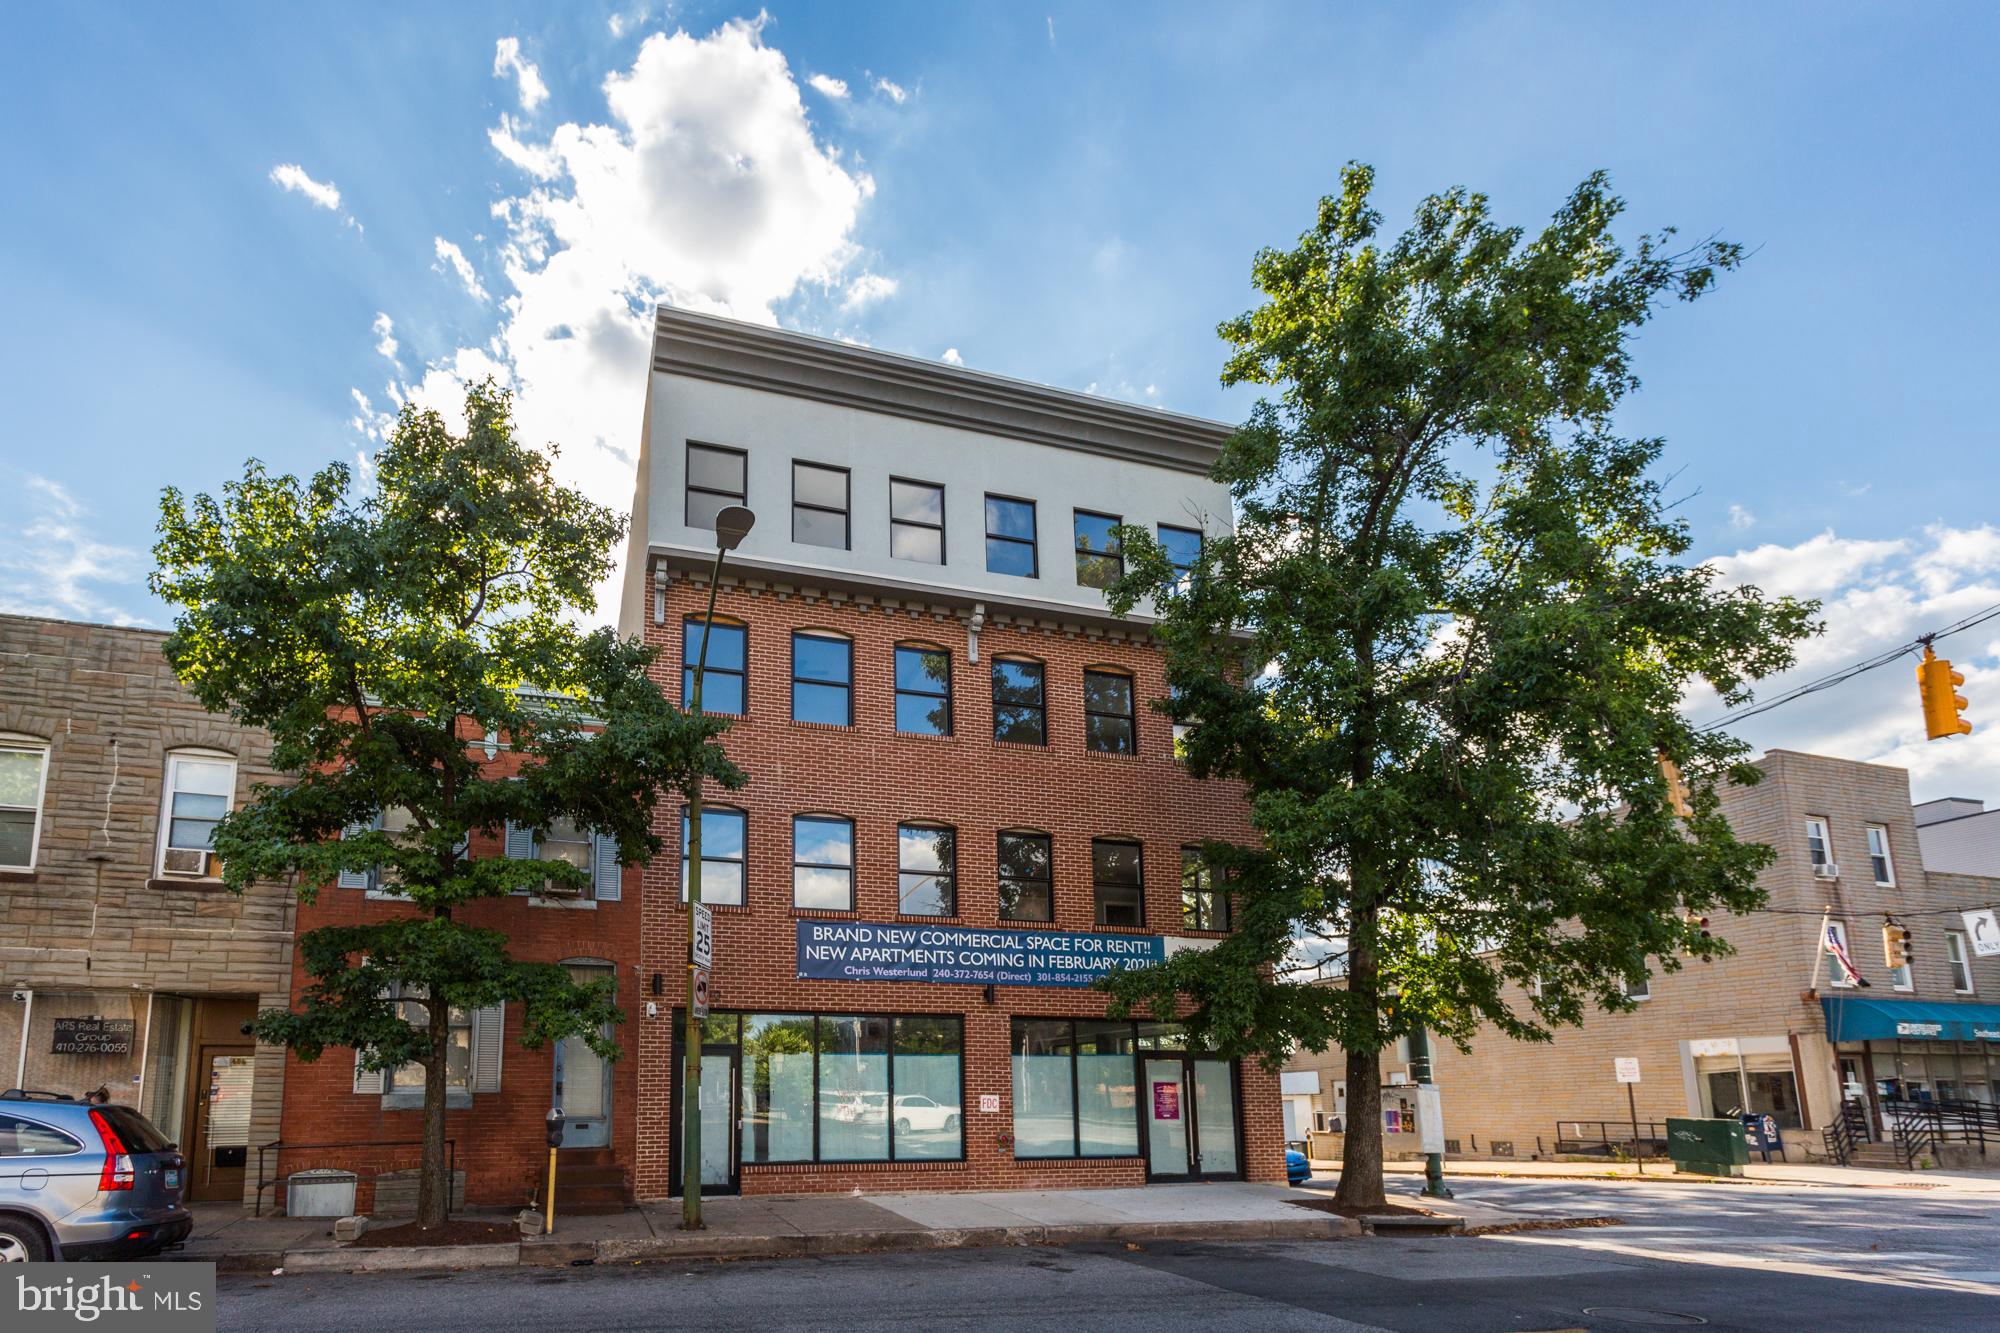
<point x="367" y="1082"/>
<point x="520" y="842"/>
<point x="354" y="879"/>
<point x="487" y="1026"/>
<point x="605" y="868"/>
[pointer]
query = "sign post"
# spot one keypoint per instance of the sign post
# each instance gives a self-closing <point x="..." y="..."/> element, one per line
<point x="1627" y="1069"/>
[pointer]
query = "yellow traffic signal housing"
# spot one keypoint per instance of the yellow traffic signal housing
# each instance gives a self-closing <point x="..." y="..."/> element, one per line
<point x="1677" y="788"/>
<point x="1895" y="946"/>
<point x="1937" y="685"/>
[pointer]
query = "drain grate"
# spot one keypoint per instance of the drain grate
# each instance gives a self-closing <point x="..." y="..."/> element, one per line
<point x="1632" y="1314"/>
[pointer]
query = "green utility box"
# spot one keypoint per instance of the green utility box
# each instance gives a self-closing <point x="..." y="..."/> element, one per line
<point x="1707" y="1147"/>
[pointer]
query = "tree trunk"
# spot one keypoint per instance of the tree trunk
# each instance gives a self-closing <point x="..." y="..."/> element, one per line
<point x="1361" y="1149"/>
<point x="433" y="1184"/>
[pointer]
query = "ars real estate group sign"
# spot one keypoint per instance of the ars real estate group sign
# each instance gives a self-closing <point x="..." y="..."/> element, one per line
<point x="968" y="955"/>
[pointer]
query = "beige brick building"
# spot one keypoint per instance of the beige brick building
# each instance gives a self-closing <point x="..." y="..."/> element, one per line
<point x="125" y="964"/>
<point x="1770" y="1027"/>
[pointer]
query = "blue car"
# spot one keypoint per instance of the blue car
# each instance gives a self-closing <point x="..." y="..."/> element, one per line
<point x="1297" y="1170"/>
<point x="85" y="1181"/>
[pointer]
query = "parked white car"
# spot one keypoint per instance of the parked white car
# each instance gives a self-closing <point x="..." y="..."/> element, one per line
<point x="916" y="1111"/>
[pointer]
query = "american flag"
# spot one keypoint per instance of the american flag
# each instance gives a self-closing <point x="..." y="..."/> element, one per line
<point x="1837" y="946"/>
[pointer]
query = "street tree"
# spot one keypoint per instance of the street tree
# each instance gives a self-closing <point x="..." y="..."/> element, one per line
<point x="395" y="637"/>
<point x="1446" y="649"/>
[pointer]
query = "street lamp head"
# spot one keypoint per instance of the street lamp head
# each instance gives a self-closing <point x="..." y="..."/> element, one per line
<point x="732" y="525"/>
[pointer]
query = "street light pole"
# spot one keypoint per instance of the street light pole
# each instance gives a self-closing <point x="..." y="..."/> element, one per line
<point x="1422" y="1076"/>
<point x="730" y="527"/>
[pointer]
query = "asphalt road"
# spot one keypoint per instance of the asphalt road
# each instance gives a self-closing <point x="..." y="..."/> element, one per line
<point x="1729" y="1256"/>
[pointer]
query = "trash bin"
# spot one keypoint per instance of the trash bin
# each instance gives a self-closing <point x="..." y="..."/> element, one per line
<point x="320" y="1193"/>
<point x="1707" y="1147"/>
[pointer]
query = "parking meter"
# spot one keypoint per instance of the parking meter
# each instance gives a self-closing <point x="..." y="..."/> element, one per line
<point x="555" y="1127"/>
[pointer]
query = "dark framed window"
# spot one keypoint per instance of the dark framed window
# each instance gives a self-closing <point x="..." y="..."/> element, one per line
<point x="1118" y="882"/>
<point x="1108" y="724"/>
<point x="724" y="839"/>
<point x="1183" y="547"/>
<point x="923" y="690"/>
<point x="916" y="521"/>
<point x="1203" y="907"/>
<point x="724" y="677"/>
<point x="1010" y="537"/>
<point x="822" y="678"/>
<point x="716" y="478"/>
<point x="926" y="870"/>
<point x="847" y="1087"/>
<point x="823" y="863"/>
<point x="1100" y="556"/>
<point x="1020" y="702"/>
<point x="1027" y="877"/>
<point x="1075" y="1086"/>
<point x="821" y="503"/>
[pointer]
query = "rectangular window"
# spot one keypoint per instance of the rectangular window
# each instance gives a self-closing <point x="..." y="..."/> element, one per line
<point x="1639" y="987"/>
<point x="199" y="792"/>
<point x="916" y="521"/>
<point x="1202" y="908"/>
<point x="1183" y="547"/>
<point x="926" y="870"/>
<point x="923" y="691"/>
<point x="1010" y="537"/>
<point x="723" y="675"/>
<point x="385" y="881"/>
<point x="864" y="1088"/>
<point x="1027" y="885"/>
<point x="1878" y="856"/>
<point x="1118" y="882"/>
<point x="566" y="842"/>
<point x="820" y="503"/>
<point x="24" y="771"/>
<point x="1961" y="966"/>
<point x="1020" y="702"/>
<point x="822" y="679"/>
<point x="409" y="1078"/>
<point x="822" y="863"/>
<point x="1108" y="724"/>
<point x="1817" y="843"/>
<point x="722" y="843"/>
<point x="1900" y="979"/>
<point x="1100" y="556"/>
<point x="1075" y="1088"/>
<point x="715" y="480"/>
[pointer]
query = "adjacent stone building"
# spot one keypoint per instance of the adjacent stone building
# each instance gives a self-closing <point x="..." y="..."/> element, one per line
<point x="1775" y="1028"/>
<point x="126" y="965"/>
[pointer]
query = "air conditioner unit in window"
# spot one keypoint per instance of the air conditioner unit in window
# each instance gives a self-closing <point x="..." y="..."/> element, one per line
<point x="1826" y="870"/>
<point x="186" y="861"/>
<point x="552" y="888"/>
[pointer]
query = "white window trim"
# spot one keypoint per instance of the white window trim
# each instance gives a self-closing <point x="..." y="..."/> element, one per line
<point x="1900" y="979"/>
<point x="1641" y="990"/>
<point x="1961" y="964"/>
<point x="1888" y="857"/>
<point x="1825" y="841"/>
<point x="31" y="745"/>
<point x="173" y="760"/>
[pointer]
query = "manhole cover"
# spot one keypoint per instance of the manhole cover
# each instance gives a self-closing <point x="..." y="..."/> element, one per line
<point x="1632" y="1314"/>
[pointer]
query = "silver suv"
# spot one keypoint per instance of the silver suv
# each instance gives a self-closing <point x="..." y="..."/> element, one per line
<point x="84" y="1181"/>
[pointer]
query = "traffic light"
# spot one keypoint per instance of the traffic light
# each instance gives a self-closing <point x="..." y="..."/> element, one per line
<point x="1696" y="923"/>
<point x="1938" y="685"/>
<point x="1677" y="788"/>
<point x="1895" y="946"/>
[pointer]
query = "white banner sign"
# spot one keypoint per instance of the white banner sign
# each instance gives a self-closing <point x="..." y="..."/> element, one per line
<point x="1430" y="1119"/>
<point x="1983" y="929"/>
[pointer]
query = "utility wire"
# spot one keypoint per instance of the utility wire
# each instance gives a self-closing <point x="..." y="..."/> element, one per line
<point x="1848" y="673"/>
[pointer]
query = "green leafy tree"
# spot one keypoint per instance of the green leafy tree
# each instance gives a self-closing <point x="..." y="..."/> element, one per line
<point x="1446" y="647"/>
<point x="391" y="638"/>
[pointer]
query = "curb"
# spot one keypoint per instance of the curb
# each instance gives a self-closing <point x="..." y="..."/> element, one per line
<point x="725" y="1245"/>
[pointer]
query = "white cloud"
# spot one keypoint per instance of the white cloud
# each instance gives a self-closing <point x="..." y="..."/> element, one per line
<point x="1052" y="28"/>
<point x="828" y="86"/>
<point x="621" y="23"/>
<point x="385" y="335"/>
<point x="1876" y="596"/>
<point x="292" y="177"/>
<point x="951" y="357"/>
<point x="895" y="92"/>
<point x="867" y="289"/>
<point x="449" y="255"/>
<point x="704" y="187"/>
<point x="50" y="565"/>
<point x="1741" y="518"/>
<point x="507" y="60"/>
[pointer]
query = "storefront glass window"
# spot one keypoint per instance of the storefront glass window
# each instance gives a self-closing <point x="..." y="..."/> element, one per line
<point x="777" y="1088"/>
<point x="854" y="1089"/>
<point x="81" y="1041"/>
<point x="1106" y="1095"/>
<point x="1044" y="1088"/>
<point x="928" y="1120"/>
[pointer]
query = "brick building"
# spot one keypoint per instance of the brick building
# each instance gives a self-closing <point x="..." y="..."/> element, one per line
<point x="959" y="797"/>
<point x="126" y="965"/>
<point x="1774" y="1027"/>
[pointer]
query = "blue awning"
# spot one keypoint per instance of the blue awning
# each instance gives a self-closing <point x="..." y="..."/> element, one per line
<point x="1860" y="1018"/>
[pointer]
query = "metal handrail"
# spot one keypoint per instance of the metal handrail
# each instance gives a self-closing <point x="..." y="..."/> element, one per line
<point x="1607" y="1134"/>
<point x="280" y="1146"/>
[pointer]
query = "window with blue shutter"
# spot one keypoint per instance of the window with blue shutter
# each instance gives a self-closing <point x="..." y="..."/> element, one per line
<point x="605" y="868"/>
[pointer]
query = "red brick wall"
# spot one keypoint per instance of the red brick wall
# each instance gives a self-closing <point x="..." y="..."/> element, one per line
<point x="878" y="778"/>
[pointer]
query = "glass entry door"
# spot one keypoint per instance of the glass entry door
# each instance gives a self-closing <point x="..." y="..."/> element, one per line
<point x="583" y="1080"/>
<point x="1169" y="1145"/>
<point x="1188" y="1104"/>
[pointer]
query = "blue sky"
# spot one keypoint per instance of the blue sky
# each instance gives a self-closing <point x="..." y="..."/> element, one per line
<point x="1069" y="194"/>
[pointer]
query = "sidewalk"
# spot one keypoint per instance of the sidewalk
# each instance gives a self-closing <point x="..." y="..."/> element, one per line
<point x="780" y="1225"/>
<point x="1776" y="1173"/>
